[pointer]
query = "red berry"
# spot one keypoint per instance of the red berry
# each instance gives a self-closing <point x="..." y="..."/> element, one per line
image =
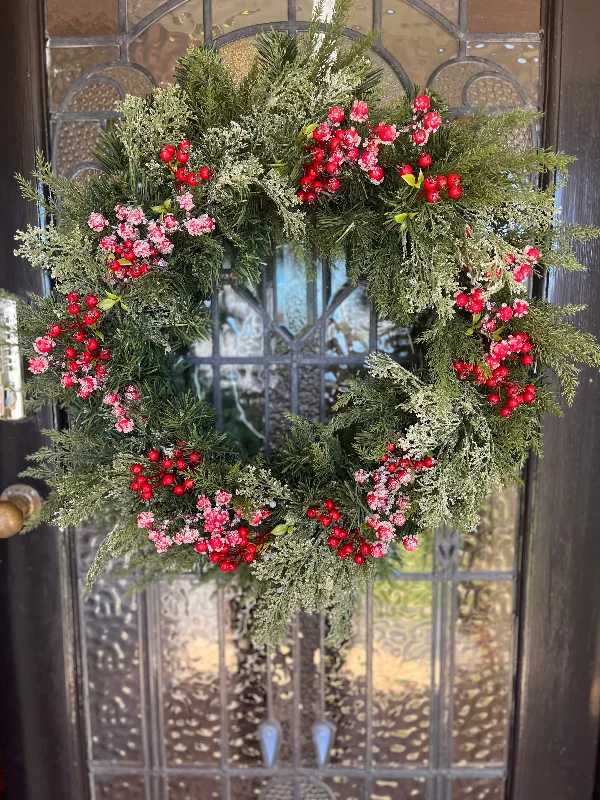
<point x="332" y="541"/>
<point x="92" y="344"/>
<point x="181" y="174"/>
<point x="201" y="546"/>
<point x="506" y="412"/>
<point x="136" y="469"/>
<point x="454" y="192"/>
<point x="74" y="308"/>
<point x="419" y="137"/>
<point x="147" y="493"/>
<point x="359" y="559"/>
<point x="432" y="121"/>
<point x="189" y="483"/>
<point x="205" y="173"/>
<point x="430" y="183"/>
<point x="195" y="458"/>
<point x="433" y="197"/>
<point x="153" y="455"/>
<point x="365" y="549"/>
<point x="352" y="153"/>
<point x="311" y="198"/>
<point x="410" y="543"/>
<point x="328" y="505"/>
<point x="73" y="297"/>
<point x="180" y="464"/>
<point x="70" y="352"/>
<point x="318" y="187"/>
<point x="318" y="154"/>
<point x="421" y="103"/>
<point x="182" y="157"/>
<point x="461" y="299"/>
<point x="512" y="402"/>
<point x="79" y="336"/>
<point x="305" y="182"/>
<point x="335" y="515"/>
<point x="493" y="399"/>
<point x="527" y="360"/>
<point x="533" y="255"/>
<point x="441" y="182"/>
<point x="192" y="180"/>
<point x="214" y="557"/>
<point x="331" y="168"/>
<point x="54" y="331"/>
<point x="376" y="174"/>
<point x="429" y="462"/>
<point x="424" y="160"/>
<point x="178" y="490"/>
<point x="325" y="521"/>
<point x="312" y="513"/>
<point x="529" y="397"/>
<point x="167" y="463"/>
<point x="333" y="184"/>
<point x="91" y="301"/>
<point x="168" y="479"/>
<point x="184" y="145"/>
<point x="104" y="355"/>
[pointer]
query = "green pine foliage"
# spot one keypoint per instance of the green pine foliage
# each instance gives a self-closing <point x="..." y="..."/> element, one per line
<point x="412" y="256"/>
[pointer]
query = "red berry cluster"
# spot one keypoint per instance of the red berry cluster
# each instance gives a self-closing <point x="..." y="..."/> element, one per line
<point x="433" y="186"/>
<point x="167" y="471"/>
<point x="346" y="542"/>
<point x="425" y="122"/>
<point x="334" y="146"/>
<point x="230" y="557"/>
<point x="83" y="360"/>
<point x="177" y="158"/>
<point x="521" y="268"/>
<point x="508" y="394"/>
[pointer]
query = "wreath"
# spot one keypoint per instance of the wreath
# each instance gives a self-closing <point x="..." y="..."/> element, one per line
<point x="439" y="218"/>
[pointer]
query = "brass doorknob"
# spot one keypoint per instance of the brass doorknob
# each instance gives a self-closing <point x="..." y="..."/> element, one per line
<point x="17" y="503"/>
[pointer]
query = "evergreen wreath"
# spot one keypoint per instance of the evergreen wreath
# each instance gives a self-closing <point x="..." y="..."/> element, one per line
<point x="441" y="220"/>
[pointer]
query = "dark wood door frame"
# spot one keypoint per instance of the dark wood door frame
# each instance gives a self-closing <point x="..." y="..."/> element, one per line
<point x="557" y="714"/>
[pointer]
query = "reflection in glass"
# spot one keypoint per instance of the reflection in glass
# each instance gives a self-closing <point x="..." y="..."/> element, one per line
<point x="240" y="326"/>
<point x="295" y="302"/>
<point x="492" y="545"/>
<point x="348" y="328"/>
<point x="243" y="402"/>
<point x="477" y="789"/>
<point x="401" y="672"/>
<point x="482" y="671"/>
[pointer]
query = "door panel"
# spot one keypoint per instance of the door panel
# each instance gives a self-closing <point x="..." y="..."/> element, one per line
<point x="172" y="693"/>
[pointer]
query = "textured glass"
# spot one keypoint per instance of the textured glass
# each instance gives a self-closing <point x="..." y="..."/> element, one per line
<point x="492" y="545"/>
<point x="492" y="91"/>
<point x="290" y="789"/>
<point x="451" y="79"/>
<point x="311" y="707"/>
<point x="394" y="340"/>
<point x="509" y="16"/>
<point x="349" y="326"/>
<point x="477" y="789"/>
<point x="137" y="10"/>
<point x="66" y="64"/>
<point x="243" y="401"/>
<point x="295" y="296"/>
<point x="246" y="684"/>
<point x="130" y="78"/>
<point x="95" y="96"/>
<point x="309" y="392"/>
<point x="159" y="46"/>
<point x="190" y="673"/>
<point x="399" y="789"/>
<point x="246" y="788"/>
<point x="346" y="788"/>
<point x="77" y="141"/>
<point x="361" y="16"/>
<point x="120" y="787"/>
<point x="83" y="18"/>
<point x="520" y="59"/>
<point x="206" y="788"/>
<point x="240" y="326"/>
<point x="281" y="670"/>
<point x="401" y="672"/>
<point x="415" y="39"/>
<point x="280" y="376"/>
<point x="482" y="671"/>
<point x="448" y="8"/>
<point x="231" y="15"/>
<point x="346" y="694"/>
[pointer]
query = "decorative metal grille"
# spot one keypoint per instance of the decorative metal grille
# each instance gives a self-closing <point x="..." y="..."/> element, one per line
<point x="177" y="703"/>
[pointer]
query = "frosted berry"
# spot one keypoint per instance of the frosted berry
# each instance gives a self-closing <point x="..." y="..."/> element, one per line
<point x="54" y="331"/>
<point x="405" y="169"/>
<point x="493" y="399"/>
<point x="419" y="137"/>
<point x="424" y="160"/>
<point x="421" y="103"/>
<point x="432" y="121"/>
<point x="410" y="543"/>
<point x="433" y="197"/>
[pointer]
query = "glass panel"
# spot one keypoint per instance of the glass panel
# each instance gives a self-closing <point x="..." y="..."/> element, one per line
<point x="119" y="787"/>
<point x="199" y="377"/>
<point x="477" y="789"/>
<point x="361" y="16"/>
<point x="246" y="685"/>
<point x="230" y="15"/>
<point x="509" y="16"/>
<point x="520" y="59"/>
<point x="345" y="788"/>
<point x="399" y="789"/>
<point x="416" y="40"/>
<point x="247" y="788"/>
<point x="482" y="672"/>
<point x="190" y="672"/>
<point x="112" y="665"/>
<point x="240" y="326"/>
<point x="492" y="545"/>
<point x="492" y="91"/>
<point x="194" y="788"/>
<point x="77" y="141"/>
<point x="138" y="9"/>
<point x="281" y="668"/>
<point x="162" y="43"/>
<point x="295" y="302"/>
<point x="394" y="340"/>
<point x="335" y="378"/>
<point x="243" y="401"/>
<point x="345" y="694"/>
<point x="68" y="63"/>
<point x="448" y="8"/>
<point x="94" y="96"/>
<point x="309" y="392"/>
<point x="349" y="326"/>
<point x="401" y="672"/>
<point x="84" y="18"/>
<point x="311" y="706"/>
<point x="280" y="377"/>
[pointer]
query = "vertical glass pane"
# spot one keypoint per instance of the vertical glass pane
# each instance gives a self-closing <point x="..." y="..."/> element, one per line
<point x="482" y="672"/>
<point x="280" y="377"/>
<point x="246" y="684"/>
<point x="348" y="327"/>
<point x="246" y="788"/>
<point x="309" y="392"/>
<point x="394" y="340"/>
<point x="492" y="545"/>
<point x="281" y="671"/>
<point x="521" y="59"/>
<point x="240" y="325"/>
<point x="199" y="377"/>
<point x="230" y="15"/>
<point x="401" y="672"/>
<point x="112" y="665"/>
<point x="311" y="701"/>
<point x="84" y="18"/>
<point x="295" y="297"/>
<point x="243" y="401"/>
<point x="477" y="789"/>
<point x="66" y="64"/>
<point x="190" y="672"/>
<point x="346" y="684"/>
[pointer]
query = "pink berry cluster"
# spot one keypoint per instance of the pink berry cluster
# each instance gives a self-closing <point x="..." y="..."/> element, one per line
<point x="347" y="543"/>
<point x="335" y="146"/>
<point x="82" y="362"/>
<point x="121" y="406"/>
<point x="425" y="122"/>
<point x="130" y="250"/>
<point x="521" y="267"/>
<point x="386" y="496"/>
<point x="166" y="470"/>
<point x="177" y="159"/>
<point x="215" y="528"/>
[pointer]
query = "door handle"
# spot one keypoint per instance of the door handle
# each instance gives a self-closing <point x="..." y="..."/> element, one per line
<point x="17" y="504"/>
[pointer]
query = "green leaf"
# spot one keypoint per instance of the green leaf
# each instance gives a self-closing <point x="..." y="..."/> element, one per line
<point x="107" y="303"/>
<point x="410" y="179"/>
<point x="306" y="130"/>
<point x="420" y="179"/>
<point x="280" y="529"/>
<point x="100" y="335"/>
